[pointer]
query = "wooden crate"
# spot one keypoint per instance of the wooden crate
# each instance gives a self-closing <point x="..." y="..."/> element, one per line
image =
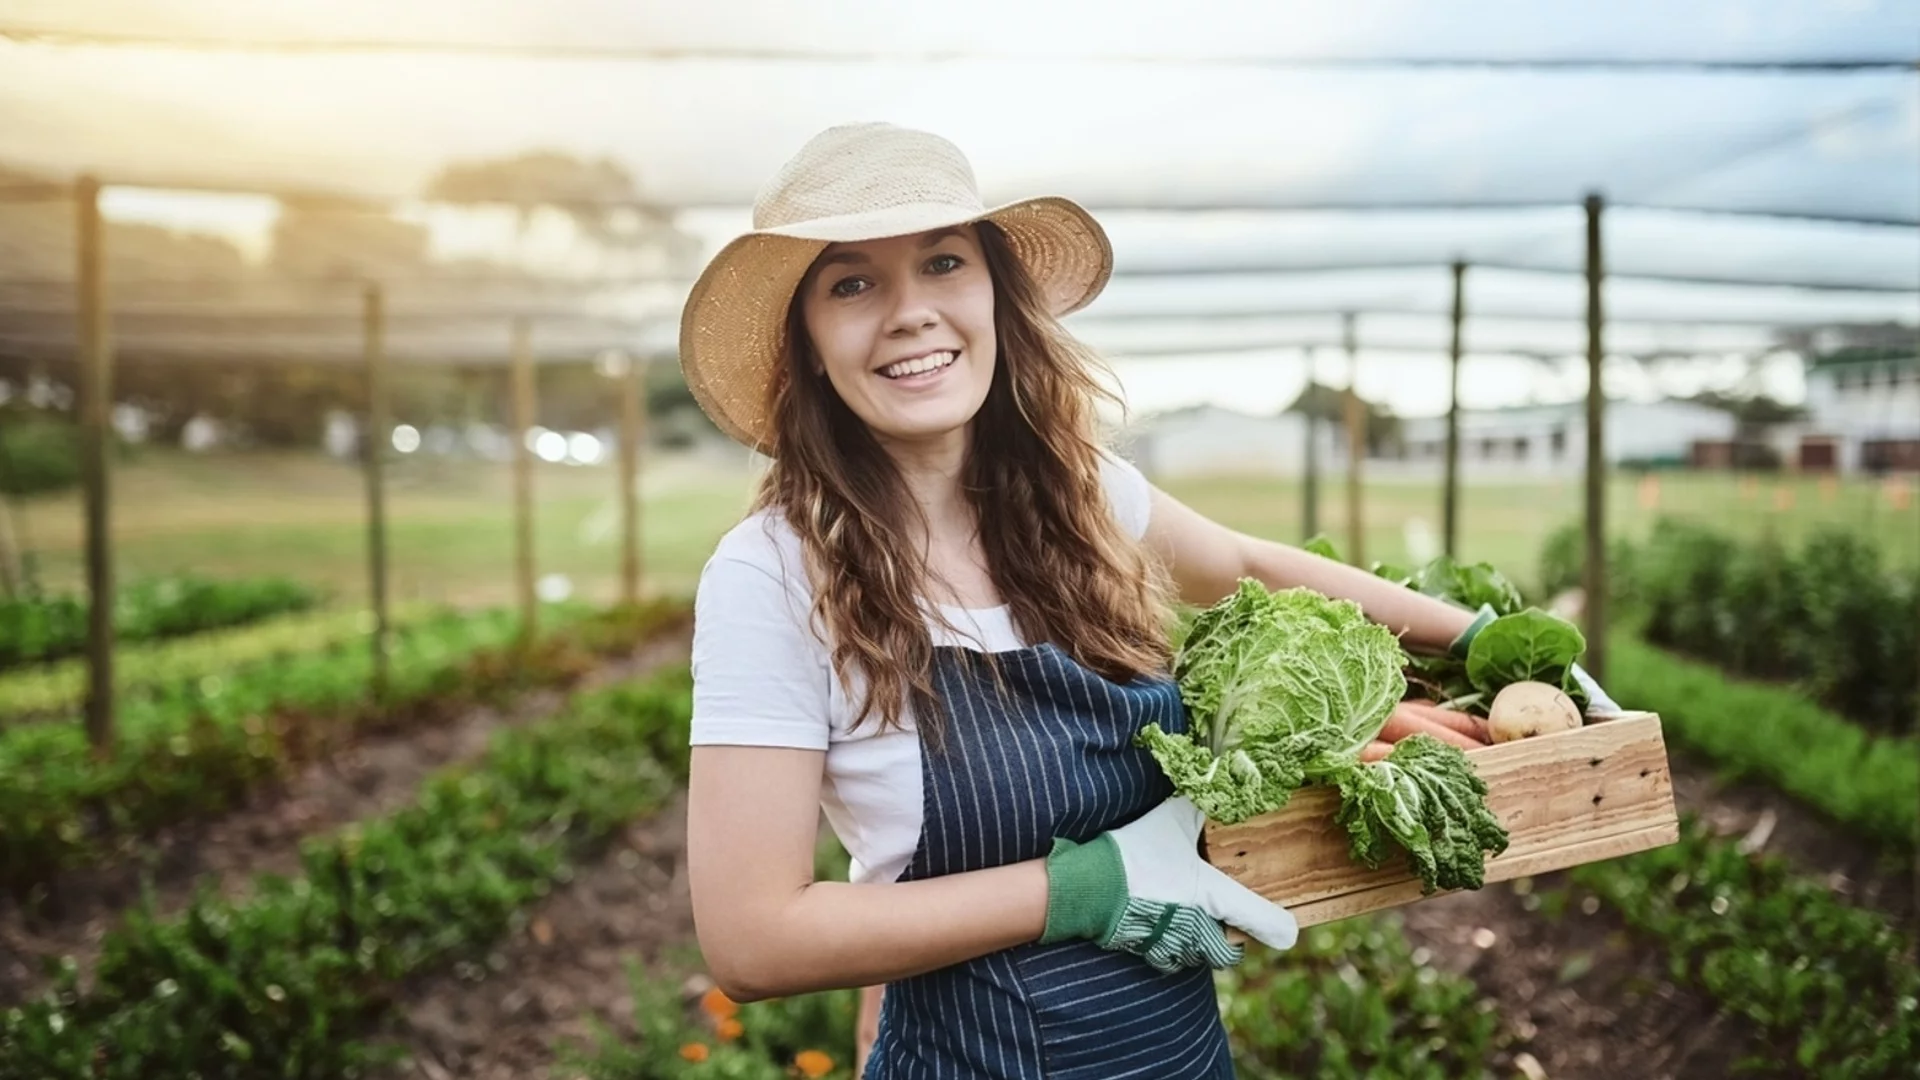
<point x="1598" y="792"/>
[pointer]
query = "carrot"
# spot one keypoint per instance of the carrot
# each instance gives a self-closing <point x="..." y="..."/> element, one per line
<point x="1405" y="722"/>
<point x="1375" y="750"/>
<point x="1471" y="726"/>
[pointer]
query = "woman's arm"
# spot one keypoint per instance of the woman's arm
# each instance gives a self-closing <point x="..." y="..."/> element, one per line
<point x="1207" y="561"/>
<point x="768" y="929"/>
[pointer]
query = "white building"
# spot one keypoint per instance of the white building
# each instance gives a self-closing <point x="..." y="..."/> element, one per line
<point x="1210" y="440"/>
<point x="1553" y="438"/>
<point x="1863" y="413"/>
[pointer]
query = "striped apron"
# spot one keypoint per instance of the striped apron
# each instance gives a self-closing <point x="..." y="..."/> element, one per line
<point x="1052" y="757"/>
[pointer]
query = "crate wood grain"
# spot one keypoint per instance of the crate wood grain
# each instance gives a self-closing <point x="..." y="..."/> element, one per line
<point x="1598" y="792"/>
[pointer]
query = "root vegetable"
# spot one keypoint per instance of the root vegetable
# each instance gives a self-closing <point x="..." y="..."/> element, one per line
<point x="1523" y="710"/>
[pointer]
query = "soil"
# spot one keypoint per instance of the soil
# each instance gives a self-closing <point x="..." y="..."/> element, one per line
<point x="371" y="778"/>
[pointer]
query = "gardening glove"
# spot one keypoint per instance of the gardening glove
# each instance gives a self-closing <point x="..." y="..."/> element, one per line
<point x="1145" y="890"/>
<point x="1458" y="647"/>
<point x="1598" y="703"/>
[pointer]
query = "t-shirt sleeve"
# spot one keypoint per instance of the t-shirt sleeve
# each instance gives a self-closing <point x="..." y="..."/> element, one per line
<point x="1128" y="492"/>
<point x="760" y="676"/>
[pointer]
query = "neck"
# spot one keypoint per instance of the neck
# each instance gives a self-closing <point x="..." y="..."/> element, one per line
<point x="931" y="472"/>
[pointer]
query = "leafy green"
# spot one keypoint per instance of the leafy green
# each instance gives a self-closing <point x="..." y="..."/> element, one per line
<point x="1287" y="688"/>
<point x="1528" y="646"/>
<point x="1322" y="546"/>
<point x="1471" y="585"/>
<point x="1426" y="799"/>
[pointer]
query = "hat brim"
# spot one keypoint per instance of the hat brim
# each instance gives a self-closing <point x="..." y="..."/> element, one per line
<point x="735" y="315"/>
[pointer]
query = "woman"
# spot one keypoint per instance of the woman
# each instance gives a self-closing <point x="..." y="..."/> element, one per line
<point x="942" y="626"/>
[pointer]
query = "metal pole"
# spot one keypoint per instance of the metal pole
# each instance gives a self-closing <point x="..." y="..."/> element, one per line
<point x="1450" y="504"/>
<point x="375" y="441"/>
<point x="524" y="409"/>
<point x="1356" y="446"/>
<point x="633" y="426"/>
<point x="96" y="423"/>
<point x="1310" y="486"/>
<point x="1595" y="580"/>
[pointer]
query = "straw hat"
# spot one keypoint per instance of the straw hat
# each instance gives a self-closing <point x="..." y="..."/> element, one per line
<point x="856" y="182"/>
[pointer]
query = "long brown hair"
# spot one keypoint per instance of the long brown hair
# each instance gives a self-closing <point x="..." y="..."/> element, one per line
<point x="1067" y="571"/>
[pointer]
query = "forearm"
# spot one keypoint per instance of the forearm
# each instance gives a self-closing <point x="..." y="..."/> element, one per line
<point x="1423" y="623"/>
<point x="831" y="935"/>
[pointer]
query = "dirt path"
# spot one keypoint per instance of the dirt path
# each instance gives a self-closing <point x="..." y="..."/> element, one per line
<point x="373" y="777"/>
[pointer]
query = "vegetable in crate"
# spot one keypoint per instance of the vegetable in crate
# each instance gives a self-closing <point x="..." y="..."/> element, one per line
<point x="1287" y="688"/>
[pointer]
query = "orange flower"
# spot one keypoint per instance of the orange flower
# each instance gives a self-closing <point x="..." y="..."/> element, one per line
<point x="694" y="1052"/>
<point x="813" y="1064"/>
<point x="717" y="1004"/>
<point x="731" y="1029"/>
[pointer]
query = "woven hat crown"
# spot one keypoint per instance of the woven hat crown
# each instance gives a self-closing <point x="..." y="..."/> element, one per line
<point x="860" y="168"/>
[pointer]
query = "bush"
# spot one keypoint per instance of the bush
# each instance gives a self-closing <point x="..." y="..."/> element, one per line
<point x="38" y="454"/>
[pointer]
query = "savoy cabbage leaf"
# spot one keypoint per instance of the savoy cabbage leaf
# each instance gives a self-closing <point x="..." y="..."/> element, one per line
<point x="1426" y="800"/>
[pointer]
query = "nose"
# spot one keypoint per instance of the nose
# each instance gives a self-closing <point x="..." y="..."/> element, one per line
<point x="913" y="309"/>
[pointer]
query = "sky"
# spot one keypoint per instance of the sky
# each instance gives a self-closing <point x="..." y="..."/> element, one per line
<point x="1121" y="104"/>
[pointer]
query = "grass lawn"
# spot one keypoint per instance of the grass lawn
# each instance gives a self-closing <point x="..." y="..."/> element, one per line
<point x="451" y="533"/>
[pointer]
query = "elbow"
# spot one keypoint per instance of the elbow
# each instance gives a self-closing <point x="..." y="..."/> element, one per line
<point x="744" y="965"/>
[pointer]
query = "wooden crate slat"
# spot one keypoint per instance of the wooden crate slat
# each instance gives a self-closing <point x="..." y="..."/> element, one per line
<point x="1599" y="792"/>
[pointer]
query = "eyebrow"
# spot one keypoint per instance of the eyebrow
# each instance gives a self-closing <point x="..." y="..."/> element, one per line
<point x="855" y="258"/>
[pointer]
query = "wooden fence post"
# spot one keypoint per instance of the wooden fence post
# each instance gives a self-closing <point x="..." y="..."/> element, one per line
<point x="96" y="455"/>
<point x="376" y="441"/>
<point x="633" y="428"/>
<point x="525" y="408"/>
<point x="1356" y="446"/>
<point x="1310" y="483"/>
<point x="1450" y="499"/>
<point x="1595" y="582"/>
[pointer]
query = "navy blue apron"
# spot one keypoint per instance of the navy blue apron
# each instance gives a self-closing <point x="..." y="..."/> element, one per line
<point x="1052" y="757"/>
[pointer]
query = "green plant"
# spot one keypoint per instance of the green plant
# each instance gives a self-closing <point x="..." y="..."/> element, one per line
<point x="1352" y="1000"/>
<point x="287" y="981"/>
<point x="202" y="746"/>
<point x="1833" y="987"/>
<point x="37" y="629"/>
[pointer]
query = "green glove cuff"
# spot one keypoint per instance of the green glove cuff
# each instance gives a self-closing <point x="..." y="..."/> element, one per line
<point x="1458" y="649"/>
<point x="1086" y="890"/>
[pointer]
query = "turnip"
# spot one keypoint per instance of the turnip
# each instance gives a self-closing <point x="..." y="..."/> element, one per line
<point x="1524" y="709"/>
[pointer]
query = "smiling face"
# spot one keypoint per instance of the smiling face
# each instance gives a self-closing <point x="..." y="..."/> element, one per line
<point x="903" y="329"/>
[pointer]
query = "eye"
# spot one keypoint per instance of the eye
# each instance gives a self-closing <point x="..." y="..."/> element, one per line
<point x="945" y="264"/>
<point x="845" y="287"/>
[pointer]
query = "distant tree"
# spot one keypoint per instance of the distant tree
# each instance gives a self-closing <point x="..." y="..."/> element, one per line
<point x="344" y="241"/>
<point x="1329" y="403"/>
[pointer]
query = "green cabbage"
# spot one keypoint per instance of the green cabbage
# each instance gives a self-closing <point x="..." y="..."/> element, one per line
<point x="1286" y="688"/>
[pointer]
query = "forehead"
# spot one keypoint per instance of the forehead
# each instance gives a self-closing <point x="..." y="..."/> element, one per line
<point x="866" y="251"/>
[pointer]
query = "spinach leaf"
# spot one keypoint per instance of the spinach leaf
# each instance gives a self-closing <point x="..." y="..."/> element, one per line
<point x="1527" y="646"/>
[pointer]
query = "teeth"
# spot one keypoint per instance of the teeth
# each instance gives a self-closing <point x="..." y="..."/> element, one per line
<point x="929" y="362"/>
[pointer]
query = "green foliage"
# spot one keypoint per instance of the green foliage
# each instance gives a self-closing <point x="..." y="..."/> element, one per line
<point x="1353" y="1000"/>
<point x="1834" y="987"/>
<point x="142" y="670"/>
<point x="1527" y="646"/>
<point x="1563" y="560"/>
<point x="1424" y="799"/>
<point x="200" y="747"/>
<point x="1867" y="783"/>
<point x="1829" y="617"/>
<point x="39" y="453"/>
<point x="37" y="629"/>
<point x="284" y="982"/>
<point x="1470" y="585"/>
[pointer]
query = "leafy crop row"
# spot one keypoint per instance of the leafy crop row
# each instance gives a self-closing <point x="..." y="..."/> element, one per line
<point x="202" y="746"/>
<point x="1828" y="616"/>
<point x="35" y="629"/>
<point x="1834" y="987"/>
<point x="138" y="669"/>
<point x="286" y="982"/>
<point x="1866" y="783"/>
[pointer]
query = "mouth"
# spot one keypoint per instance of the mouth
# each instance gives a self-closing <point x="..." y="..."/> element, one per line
<point x="925" y="366"/>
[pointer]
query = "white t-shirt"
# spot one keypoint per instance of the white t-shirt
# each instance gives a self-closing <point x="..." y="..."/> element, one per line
<point x="762" y="678"/>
